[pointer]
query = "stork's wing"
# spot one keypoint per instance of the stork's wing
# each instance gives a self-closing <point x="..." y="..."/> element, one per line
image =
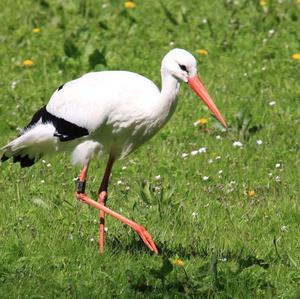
<point x="65" y="130"/>
<point x="96" y="99"/>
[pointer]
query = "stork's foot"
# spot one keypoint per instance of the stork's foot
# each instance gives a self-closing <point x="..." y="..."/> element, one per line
<point x="146" y="237"/>
<point x="143" y="233"/>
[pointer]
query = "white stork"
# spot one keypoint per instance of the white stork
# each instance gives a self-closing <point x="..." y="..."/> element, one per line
<point x="109" y="112"/>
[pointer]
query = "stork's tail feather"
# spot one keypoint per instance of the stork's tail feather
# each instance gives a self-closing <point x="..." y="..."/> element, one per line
<point x="4" y="158"/>
<point x="31" y="145"/>
<point x="25" y="161"/>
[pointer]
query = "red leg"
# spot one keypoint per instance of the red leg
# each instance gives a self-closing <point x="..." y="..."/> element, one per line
<point x="145" y="236"/>
<point x="102" y="200"/>
<point x="80" y="194"/>
<point x="102" y="196"/>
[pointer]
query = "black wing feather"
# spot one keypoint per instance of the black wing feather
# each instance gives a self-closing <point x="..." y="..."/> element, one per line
<point x="65" y="130"/>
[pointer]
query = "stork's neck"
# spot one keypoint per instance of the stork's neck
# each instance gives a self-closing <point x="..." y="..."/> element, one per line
<point x="169" y="90"/>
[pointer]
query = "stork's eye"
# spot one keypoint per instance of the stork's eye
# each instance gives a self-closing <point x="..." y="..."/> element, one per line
<point x="183" y="67"/>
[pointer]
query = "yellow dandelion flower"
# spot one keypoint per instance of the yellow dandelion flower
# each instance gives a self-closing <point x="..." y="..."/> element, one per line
<point x="203" y="121"/>
<point x="263" y="3"/>
<point x="36" y="30"/>
<point x="129" y="4"/>
<point x="202" y="52"/>
<point x="250" y="193"/>
<point x="28" y="62"/>
<point x="296" y="56"/>
<point x="178" y="262"/>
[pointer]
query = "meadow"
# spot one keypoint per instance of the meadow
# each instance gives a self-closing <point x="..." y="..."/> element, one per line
<point x="223" y="206"/>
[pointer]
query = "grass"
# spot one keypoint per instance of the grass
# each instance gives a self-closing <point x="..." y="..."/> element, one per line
<point x="215" y="241"/>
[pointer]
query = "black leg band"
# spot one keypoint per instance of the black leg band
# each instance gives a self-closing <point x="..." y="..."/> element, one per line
<point x="80" y="186"/>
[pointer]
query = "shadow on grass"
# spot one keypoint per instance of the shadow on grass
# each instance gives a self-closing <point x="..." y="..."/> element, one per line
<point x="164" y="250"/>
<point x="137" y="245"/>
<point x="208" y="275"/>
<point x="207" y="278"/>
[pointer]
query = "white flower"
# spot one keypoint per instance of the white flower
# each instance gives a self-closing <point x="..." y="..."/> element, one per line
<point x="263" y="68"/>
<point x="92" y="239"/>
<point x="277" y="165"/>
<point x="13" y="84"/>
<point x="237" y="144"/>
<point x="259" y="142"/>
<point x="195" y="214"/>
<point x="124" y="168"/>
<point x="210" y="161"/>
<point x="272" y="103"/>
<point x="48" y="165"/>
<point x="204" y="21"/>
<point x="220" y="171"/>
<point x="127" y="188"/>
<point x="104" y="5"/>
<point x="105" y="229"/>
<point x="218" y="157"/>
<point x="284" y="228"/>
<point x="271" y="32"/>
<point x="157" y="177"/>
<point x="184" y="155"/>
<point x="277" y="178"/>
<point x="119" y="182"/>
<point x="171" y="43"/>
<point x="42" y="181"/>
<point x="193" y="153"/>
<point x="218" y="137"/>
<point x="205" y="178"/>
<point x="202" y="150"/>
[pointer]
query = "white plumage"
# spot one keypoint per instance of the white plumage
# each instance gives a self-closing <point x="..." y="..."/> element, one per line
<point x="104" y="97"/>
<point x="34" y="141"/>
<point x="120" y="109"/>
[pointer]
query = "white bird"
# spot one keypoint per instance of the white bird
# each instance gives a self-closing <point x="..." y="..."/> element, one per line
<point x="109" y="112"/>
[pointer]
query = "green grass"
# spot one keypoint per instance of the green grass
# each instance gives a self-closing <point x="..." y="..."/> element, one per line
<point x="232" y="245"/>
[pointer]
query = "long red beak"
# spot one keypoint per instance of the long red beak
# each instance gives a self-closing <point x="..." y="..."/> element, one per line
<point x="201" y="91"/>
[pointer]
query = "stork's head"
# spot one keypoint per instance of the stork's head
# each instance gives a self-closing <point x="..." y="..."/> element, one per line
<point x="183" y="66"/>
<point x="180" y="63"/>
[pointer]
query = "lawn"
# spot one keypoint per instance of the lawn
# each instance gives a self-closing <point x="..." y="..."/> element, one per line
<point x="223" y="206"/>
